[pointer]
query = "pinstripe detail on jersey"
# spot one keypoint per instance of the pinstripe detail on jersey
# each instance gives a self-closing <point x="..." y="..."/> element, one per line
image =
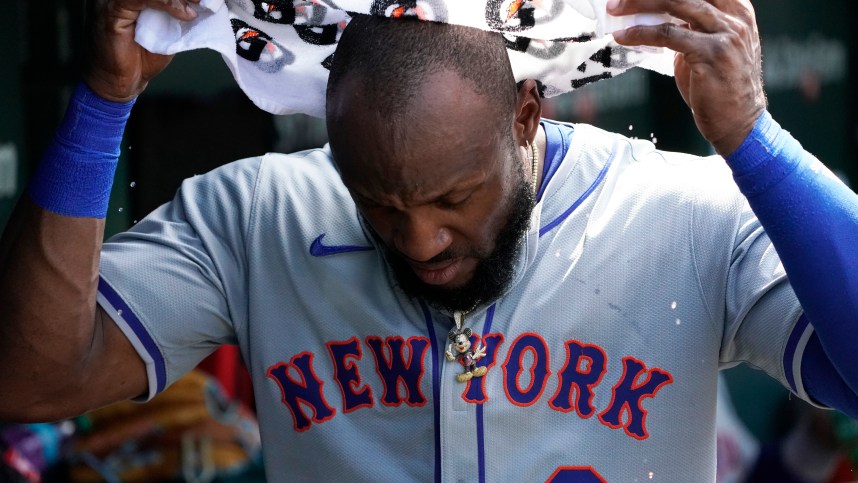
<point x="481" y="434"/>
<point x="586" y="194"/>
<point x="436" y="386"/>
<point x="481" y="445"/>
<point x="130" y="320"/>
<point x="475" y="391"/>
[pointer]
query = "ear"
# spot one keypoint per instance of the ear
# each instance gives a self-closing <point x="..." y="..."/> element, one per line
<point x="528" y="112"/>
<point x="467" y="332"/>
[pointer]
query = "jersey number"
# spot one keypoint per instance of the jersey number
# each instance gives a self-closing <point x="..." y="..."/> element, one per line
<point x="575" y="474"/>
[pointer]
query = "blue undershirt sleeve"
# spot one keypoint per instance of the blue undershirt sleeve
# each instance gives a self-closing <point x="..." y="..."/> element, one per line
<point x="811" y="218"/>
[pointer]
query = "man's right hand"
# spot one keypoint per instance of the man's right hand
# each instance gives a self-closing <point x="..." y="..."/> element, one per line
<point x="117" y="68"/>
<point x="61" y="354"/>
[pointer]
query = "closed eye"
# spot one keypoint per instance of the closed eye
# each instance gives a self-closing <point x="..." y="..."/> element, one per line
<point x="454" y="202"/>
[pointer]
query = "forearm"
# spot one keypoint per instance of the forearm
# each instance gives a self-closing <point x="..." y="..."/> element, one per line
<point x="812" y="219"/>
<point x="49" y="257"/>
<point x="48" y="275"/>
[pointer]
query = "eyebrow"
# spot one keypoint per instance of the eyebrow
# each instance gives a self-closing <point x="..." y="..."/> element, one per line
<point x="468" y="185"/>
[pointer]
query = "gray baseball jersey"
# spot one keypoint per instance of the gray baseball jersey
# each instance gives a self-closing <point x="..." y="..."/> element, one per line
<point x="642" y="275"/>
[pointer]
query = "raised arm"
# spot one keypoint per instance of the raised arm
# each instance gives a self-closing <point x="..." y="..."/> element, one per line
<point x="60" y="355"/>
<point x="809" y="215"/>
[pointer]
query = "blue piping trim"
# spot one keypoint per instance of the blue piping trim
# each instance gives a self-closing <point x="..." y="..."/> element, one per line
<point x="490" y="317"/>
<point x="789" y="352"/>
<point x="481" y="440"/>
<point x="558" y="137"/>
<point x="481" y="454"/>
<point x="140" y="331"/>
<point x="601" y="176"/>
<point x="436" y="388"/>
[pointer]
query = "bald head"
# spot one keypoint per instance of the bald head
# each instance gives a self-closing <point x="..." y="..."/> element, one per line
<point x="429" y="133"/>
<point x="393" y="57"/>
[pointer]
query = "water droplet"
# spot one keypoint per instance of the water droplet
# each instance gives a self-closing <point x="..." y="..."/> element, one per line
<point x="673" y="305"/>
<point x="120" y="210"/>
<point x="119" y="311"/>
<point x="133" y="184"/>
<point x="655" y="140"/>
<point x="557" y="254"/>
<point x="135" y="222"/>
<point x="129" y="148"/>
<point x="631" y="127"/>
<point x="650" y="475"/>
<point x="652" y="135"/>
<point x="678" y="321"/>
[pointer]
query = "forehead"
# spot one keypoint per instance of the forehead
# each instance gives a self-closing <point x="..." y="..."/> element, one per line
<point x="447" y="131"/>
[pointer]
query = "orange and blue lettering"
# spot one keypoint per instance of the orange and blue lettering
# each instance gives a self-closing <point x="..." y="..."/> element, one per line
<point x="395" y="370"/>
<point x="586" y="364"/>
<point x="476" y="390"/>
<point x="347" y="376"/>
<point x="308" y="390"/>
<point x="513" y="367"/>
<point x="628" y="396"/>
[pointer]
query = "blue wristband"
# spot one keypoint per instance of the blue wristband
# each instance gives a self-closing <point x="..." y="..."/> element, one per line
<point x="75" y="175"/>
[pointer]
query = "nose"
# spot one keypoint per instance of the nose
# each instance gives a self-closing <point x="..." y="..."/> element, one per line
<point x="419" y="237"/>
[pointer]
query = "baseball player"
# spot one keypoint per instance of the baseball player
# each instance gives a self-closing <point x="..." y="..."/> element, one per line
<point x="604" y="283"/>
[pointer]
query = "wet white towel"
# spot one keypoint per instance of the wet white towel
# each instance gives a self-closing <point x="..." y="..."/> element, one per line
<point x="278" y="49"/>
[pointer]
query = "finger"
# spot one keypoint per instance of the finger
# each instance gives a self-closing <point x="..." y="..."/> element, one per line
<point x="682" y="75"/>
<point x="700" y="14"/>
<point x="737" y="9"/>
<point x="672" y="36"/>
<point x="181" y="9"/>
<point x="732" y="6"/>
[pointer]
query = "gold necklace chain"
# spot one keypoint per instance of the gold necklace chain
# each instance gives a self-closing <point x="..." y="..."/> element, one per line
<point x="534" y="166"/>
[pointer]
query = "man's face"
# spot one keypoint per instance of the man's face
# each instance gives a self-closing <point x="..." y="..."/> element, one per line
<point x="443" y="189"/>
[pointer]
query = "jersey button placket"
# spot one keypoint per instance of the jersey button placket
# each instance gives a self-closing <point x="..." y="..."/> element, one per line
<point x="458" y="423"/>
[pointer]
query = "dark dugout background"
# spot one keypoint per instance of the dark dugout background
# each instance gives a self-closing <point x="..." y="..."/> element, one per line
<point x="193" y="118"/>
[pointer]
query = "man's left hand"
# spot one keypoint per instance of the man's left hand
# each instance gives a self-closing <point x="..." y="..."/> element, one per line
<point x="717" y="65"/>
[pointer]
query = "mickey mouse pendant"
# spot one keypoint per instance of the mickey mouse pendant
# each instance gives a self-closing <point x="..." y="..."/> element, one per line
<point x="460" y="349"/>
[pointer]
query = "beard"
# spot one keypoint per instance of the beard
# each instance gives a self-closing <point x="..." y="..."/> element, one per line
<point x="494" y="271"/>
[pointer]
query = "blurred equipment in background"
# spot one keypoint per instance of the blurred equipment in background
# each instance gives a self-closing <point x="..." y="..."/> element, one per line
<point x="737" y="448"/>
<point x="191" y="432"/>
<point x="818" y="446"/>
<point x="226" y="365"/>
<point x="30" y="450"/>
